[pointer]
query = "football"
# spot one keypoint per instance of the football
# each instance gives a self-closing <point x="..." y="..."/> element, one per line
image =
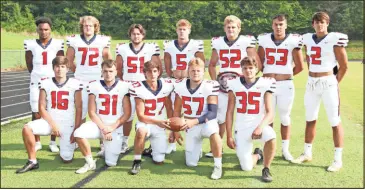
<point x="176" y="123"/>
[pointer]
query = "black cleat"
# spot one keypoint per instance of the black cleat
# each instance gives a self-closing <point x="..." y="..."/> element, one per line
<point x="136" y="167"/>
<point x="259" y="152"/>
<point x="266" y="175"/>
<point x="147" y="152"/>
<point x="27" y="167"/>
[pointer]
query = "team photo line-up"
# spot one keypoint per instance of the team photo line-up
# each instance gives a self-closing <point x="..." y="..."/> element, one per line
<point x="112" y="90"/>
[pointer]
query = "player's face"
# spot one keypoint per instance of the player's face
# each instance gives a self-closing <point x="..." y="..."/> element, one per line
<point x="279" y="27"/>
<point x="136" y="36"/>
<point x="196" y="73"/>
<point x="232" y="30"/>
<point x="183" y="32"/>
<point x="320" y="26"/>
<point x="249" y="71"/>
<point x="60" y="71"/>
<point x="152" y="75"/>
<point x="109" y="74"/>
<point x="88" y="28"/>
<point x="44" y="31"/>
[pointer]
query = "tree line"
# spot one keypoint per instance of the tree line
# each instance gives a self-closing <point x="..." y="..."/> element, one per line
<point x="159" y="17"/>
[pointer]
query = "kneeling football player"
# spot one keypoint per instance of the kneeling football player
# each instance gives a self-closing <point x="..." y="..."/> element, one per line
<point x="250" y="98"/>
<point x="151" y="96"/>
<point x="59" y="101"/>
<point x="199" y="98"/>
<point x="109" y="108"/>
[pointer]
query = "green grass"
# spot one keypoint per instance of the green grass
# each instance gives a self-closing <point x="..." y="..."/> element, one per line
<point x="53" y="174"/>
<point x="14" y="41"/>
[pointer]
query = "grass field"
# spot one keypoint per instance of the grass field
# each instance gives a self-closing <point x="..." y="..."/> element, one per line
<point x="14" y="41"/>
<point x="53" y="174"/>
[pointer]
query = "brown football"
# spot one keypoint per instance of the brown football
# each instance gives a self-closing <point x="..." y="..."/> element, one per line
<point x="176" y="123"/>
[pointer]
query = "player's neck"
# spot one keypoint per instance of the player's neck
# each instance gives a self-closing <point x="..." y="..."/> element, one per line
<point x="137" y="46"/>
<point x="45" y="41"/>
<point x="109" y="83"/>
<point x="231" y="39"/>
<point x="182" y="42"/>
<point x="250" y="80"/>
<point x="88" y="37"/>
<point x="61" y="80"/>
<point x="152" y="84"/>
<point x="194" y="84"/>
<point x="321" y="34"/>
<point x="279" y="37"/>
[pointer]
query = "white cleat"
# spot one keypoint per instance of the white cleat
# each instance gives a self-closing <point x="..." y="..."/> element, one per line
<point x="87" y="167"/>
<point x="54" y="148"/>
<point x="124" y="148"/>
<point x="171" y="148"/>
<point x="217" y="173"/>
<point x="101" y="153"/>
<point x="335" y="166"/>
<point x="287" y="156"/>
<point x="209" y="155"/>
<point x="38" y="146"/>
<point x="302" y="158"/>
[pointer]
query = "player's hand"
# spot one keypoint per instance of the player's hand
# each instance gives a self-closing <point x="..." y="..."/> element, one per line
<point x="72" y="138"/>
<point x="230" y="143"/>
<point x="257" y="133"/>
<point x="56" y="131"/>
<point x="163" y="124"/>
<point x="189" y="123"/>
<point x="178" y="137"/>
<point x="108" y="137"/>
<point x="171" y="137"/>
<point x="107" y="129"/>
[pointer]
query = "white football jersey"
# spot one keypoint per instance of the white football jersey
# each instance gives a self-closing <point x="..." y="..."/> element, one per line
<point x="180" y="57"/>
<point x="278" y="57"/>
<point x="61" y="99"/>
<point x="43" y="57"/>
<point x="88" y="55"/>
<point x="154" y="101"/>
<point x="133" y="60"/>
<point x="230" y="56"/>
<point x="250" y="107"/>
<point x="109" y="100"/>
<point x="320" y="54"/>
<point x="195" y="102"/>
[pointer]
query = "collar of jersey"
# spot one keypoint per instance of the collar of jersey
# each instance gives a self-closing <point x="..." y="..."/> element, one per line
<point x="192" y="91"/>
<point x="159" y="87"/>
<point x="248" y="86"/>
<point x="40" y="43"/>
<point x="279" y="41"/>
<point x="318" y="40"/>
<point x="59" y="85"/>
<point x="134" y="51"/>
<point x="102" y="82"/>
<point x="230" y="43"/>
<point x="180" y="48"/>
<point x="88" y="42"/>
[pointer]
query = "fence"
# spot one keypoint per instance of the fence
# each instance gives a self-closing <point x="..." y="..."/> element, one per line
<point x="12" y="58"/>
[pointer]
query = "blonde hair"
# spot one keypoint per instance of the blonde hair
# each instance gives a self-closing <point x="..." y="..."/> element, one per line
<point x="94" y="20"/>
<point x="183" y="22"/>
<point x="234" y="19"/>
<point x="196" y="62"/>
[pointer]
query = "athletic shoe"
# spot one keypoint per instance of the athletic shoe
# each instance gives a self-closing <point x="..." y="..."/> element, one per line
<point x="27" y="167"/>
<point x="259" y="152"/>
<point x="87" y="167"/>
<point x="302" y="158"/>
<point x="287" y="156"/>
<point x="136" y="167"/>
<point x="101" y="153"/>
<point x="209" y="154"/>
<point x="335" y="166"/>
<point x="171" y="147"/>
<point x="53" y="147"/>
<point x="38" y="146"/>
<point x="217" y="172"/>
<point x="147" y="152"/>
<point x="124" y="148"/>
<point x="266" y="175"/>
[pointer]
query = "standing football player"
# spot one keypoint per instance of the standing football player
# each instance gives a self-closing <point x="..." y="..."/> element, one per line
<point x="39" y="54"/>
<point x="250" y="98"/>
<point x="109" y="108"/>
<point x="152" y="96"/>
<point x="130" y="59"/>
<point x="177" y="55"/>
<point x="277" y="51"/>
<point x="60" y="108"/>
<point x="199" y="98"/>
<point x="89" y="49"/>
<point x="228" y="51"/>
<point x="323" y="51"/>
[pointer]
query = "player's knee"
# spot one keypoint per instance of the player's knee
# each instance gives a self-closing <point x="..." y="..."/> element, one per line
<point x="246" y="165"/>
<point x="78" y="134"/>
<point x="334" y="121"/>
<point x="141" y="133"/>
<point x="189" y="159"/>
<point x="158" y="157"/>
<point x="66" y="156"/>
<point x="110" y="164"/>
<point x="285" y="120"/>
<point x="268" y="134"/>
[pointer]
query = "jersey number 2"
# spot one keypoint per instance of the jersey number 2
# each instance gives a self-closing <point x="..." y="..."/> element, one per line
<point x="92" y="56"/>
<point x="58" y="101"/>
<point x="148" y="110"/>
<point x="230" y="62"/>
<point x="248" y="98"/>
<point x="315" y="57"/>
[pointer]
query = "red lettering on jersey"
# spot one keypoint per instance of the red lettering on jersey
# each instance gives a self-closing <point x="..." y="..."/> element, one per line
<point x="210" y="81"/>
<point x="271" y="59"/>
<point x="178" y="80"/>
<point x="315" y="57"/>
<point x="136" y="84"/>
<point x="107" y="104"/>
<point x="58" y="101"/>
<point x="188" y="111"/>
<point x="181" y="65"/>
<point x="233" y="61"/>
<point x="92" y="81"/>
<point x="133" y="67"/>
<point x="44" y="78"/>
<point x="44" y="55"/>
<point x="215" y="38"/>
<point x="168" y="80"/>
<point x="94" y="54"/>
<point x="148" y="110"/>
<point x="244" y="101"/>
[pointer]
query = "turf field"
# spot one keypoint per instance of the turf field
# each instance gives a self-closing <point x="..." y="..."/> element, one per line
<point x="54" y="174"/>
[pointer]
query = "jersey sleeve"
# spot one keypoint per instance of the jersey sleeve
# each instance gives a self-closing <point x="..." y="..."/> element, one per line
<point x="213" y="42"/>
<point x="261" y="39"/>
<point x="166" y="46"/>
<point x="70" y="41"/>
<point x="119" y="49"/>
<point x="341" y="39"/>
<point x="28" y="45"/>
<point x="297" y="41"/>
<point x="199" y="46"/>
<point x="271" y="85"/>
<point x="213" y="89"/>
<point x="251" y="41"/>
<point x="107" y="41"/>
<point x="60" y="45"/>
<point x="169" y="83"/>
<point x="306" y="37"/>
<point x="177" y="85"/>
<point x="77" y="84"/>
<point x="91" y="88"/>
<point x="43" y="84"/>
<point x="156" y="49"/>
<point x="134" y="89"/>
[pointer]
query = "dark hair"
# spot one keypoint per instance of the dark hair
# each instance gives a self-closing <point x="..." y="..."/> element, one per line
<point x="137" y="26"/>
<point x="248" y="61"/>
<point x="60" y="60"/>
<point x="109" y="63"/>
<point x="318" y="16"/>
<point x="149" y="65"/>
<point x="280" y="17"/>
<point x="42" y="20"/>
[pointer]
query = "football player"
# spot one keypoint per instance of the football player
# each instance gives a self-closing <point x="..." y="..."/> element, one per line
<point x="39" y="54"/>
<point x="228" y="51"/>
<point x="152" y="96"/>
<point x="250" y="98"/>
<point x="324" y="50"/>
<point x="177" y="55"/>
<point x="109" y="108"/>
<point x="60" y="107"/>
<point x="277" y="51"/>
<point x="130" y="58"/>
<point x="199" y="98"/>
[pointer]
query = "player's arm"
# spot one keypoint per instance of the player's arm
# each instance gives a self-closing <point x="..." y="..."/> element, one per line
<point x="200" y="55"/>
<point x="78" y="115"/>
<point x="261" y="54"/>
<point x="156" y="58"/>
<point x="298" y="60"/>
<point x="341" y="57"/>
<point x="177" y="106"/>
<point x="306" y="56"/>
<point x="119" y="61"/>
<point x="29" y="60"/>
<point x="251" y="52"/>
<point x="212" y="65"/>
<point x="145" y="119"/>
<point x="167" y="61"/>
<point x="106" y="53"/>
<point x="168" y="106"/>
<point x="229" y="119"/>
<point x="70" y="54"/>
<point x="126" y="112"/>
<point x="42" y="107"/>
<point x="92" y="112"/>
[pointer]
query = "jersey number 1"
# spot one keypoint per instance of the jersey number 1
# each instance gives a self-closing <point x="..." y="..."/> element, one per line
<point x="133" y="67"/>
<point x="58" y="101"/>
<point x="107" y="105"/>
